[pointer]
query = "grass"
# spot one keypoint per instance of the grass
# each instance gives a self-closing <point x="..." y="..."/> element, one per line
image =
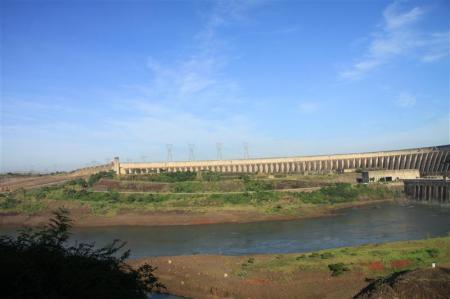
<point x="372" y="260"/>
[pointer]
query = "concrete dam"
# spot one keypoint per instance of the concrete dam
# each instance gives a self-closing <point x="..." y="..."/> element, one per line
<point x="428" y="160"/>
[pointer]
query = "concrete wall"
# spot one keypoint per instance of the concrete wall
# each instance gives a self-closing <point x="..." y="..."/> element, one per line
<point x="428" y="190"/>
<point x="377" y="175"/>
<point x="428" y="161"/>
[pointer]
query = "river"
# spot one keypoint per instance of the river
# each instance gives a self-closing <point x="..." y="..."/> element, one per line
<point x="355" y="226"/>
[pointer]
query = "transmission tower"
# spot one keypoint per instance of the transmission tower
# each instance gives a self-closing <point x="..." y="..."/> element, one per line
<point x="169" y="157"/>
<point x="191" y="147"/>
<point x="143" y="158"/>
<point x="219" y="146"/>
<point x="246" y="155"/>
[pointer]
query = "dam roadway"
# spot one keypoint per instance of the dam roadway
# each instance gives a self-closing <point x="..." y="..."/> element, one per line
<point x="428" y="160"/>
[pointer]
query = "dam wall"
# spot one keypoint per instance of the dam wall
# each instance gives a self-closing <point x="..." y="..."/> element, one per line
<point x="428" y="160"/>
<point x="428" y="190"/>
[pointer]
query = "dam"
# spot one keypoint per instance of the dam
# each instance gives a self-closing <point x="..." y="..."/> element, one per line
<point x="427" y="160"/>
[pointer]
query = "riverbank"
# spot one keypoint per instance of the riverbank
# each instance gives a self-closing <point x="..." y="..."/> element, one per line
<point x="83" y="217"/>
<point x="320" y="274"/>
<point x="90" y="207"/>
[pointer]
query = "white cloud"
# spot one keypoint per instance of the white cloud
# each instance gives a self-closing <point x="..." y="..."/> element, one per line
<point x="405" y="100"/>
<point x="398" y="36"/>
<point x="395" y="19"/>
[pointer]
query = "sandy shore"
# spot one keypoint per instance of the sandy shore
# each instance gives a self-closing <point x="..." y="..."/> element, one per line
<point x="83" y="218"/>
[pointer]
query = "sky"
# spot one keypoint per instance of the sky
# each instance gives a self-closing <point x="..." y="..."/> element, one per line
<point x="85" y="81"/>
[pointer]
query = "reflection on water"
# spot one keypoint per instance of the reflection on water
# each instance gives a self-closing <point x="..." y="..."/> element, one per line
<point x="375" y="224"/>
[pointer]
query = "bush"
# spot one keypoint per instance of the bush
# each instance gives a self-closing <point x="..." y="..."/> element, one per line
<point x="9" y="202"/>
<point x="186" y="187"/>
<point x="326" y="255"/>
<point x="97" y="176"/>
<point x="252" y="185"/>
<point x="80" y="182"/>
<point x="338" y="269"/>
<point x="167" y="177"/>
<point x="432" y="252"/>
<point x="40" y="264"/>
<point x="211" y="176"/>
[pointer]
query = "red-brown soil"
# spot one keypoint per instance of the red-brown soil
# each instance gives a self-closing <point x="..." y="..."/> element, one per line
<point x="208" y="277"/>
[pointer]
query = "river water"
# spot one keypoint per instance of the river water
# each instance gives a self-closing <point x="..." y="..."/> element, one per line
<point x="355" y="226"/>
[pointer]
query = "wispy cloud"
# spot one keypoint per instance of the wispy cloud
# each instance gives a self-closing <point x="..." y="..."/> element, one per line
<point x="192" y="99"/>
<point x="399" y="35"/>
<point x="405" y="100"/>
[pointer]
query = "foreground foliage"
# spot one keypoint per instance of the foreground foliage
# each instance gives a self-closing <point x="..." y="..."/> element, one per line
<point x="41" y="264"/>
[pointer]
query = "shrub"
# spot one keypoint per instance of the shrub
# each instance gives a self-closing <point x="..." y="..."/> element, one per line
<point x="252" y="185"/>
<point x="9" y="202"/>
<point x="211" y="176"/>
<point x="80" y="182"/>
<point x="168" y="177"/>
<point x="40" y="264"/>
<point x="97" y="176"/>
<point x="338" y="269"/>
<point x="432" y="252"/>
<point x="326" y="255"/>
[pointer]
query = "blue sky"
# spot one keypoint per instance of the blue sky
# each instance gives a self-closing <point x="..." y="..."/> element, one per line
<point x="85" y="81"/>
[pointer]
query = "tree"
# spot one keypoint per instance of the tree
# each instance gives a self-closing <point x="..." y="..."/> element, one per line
<point x="41" y="264"/>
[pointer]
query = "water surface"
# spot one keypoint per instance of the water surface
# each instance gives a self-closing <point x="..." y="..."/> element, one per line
<point x="355" y="226"/>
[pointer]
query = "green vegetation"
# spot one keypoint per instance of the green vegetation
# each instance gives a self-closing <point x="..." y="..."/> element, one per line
<point x="82" y="182"/>
<point x="257" y="196"/>
<point x="168" y="177"/>
<point x="373" y="260"/>
<point x="211" y="176"/>
<point x="41" y="264"/>
<point x="338" y="269"/>
<point x="18" y="202"/>
<point x="102" y="174"/>
<point x="257" y="185"/>
<point x="343" y="192"/>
